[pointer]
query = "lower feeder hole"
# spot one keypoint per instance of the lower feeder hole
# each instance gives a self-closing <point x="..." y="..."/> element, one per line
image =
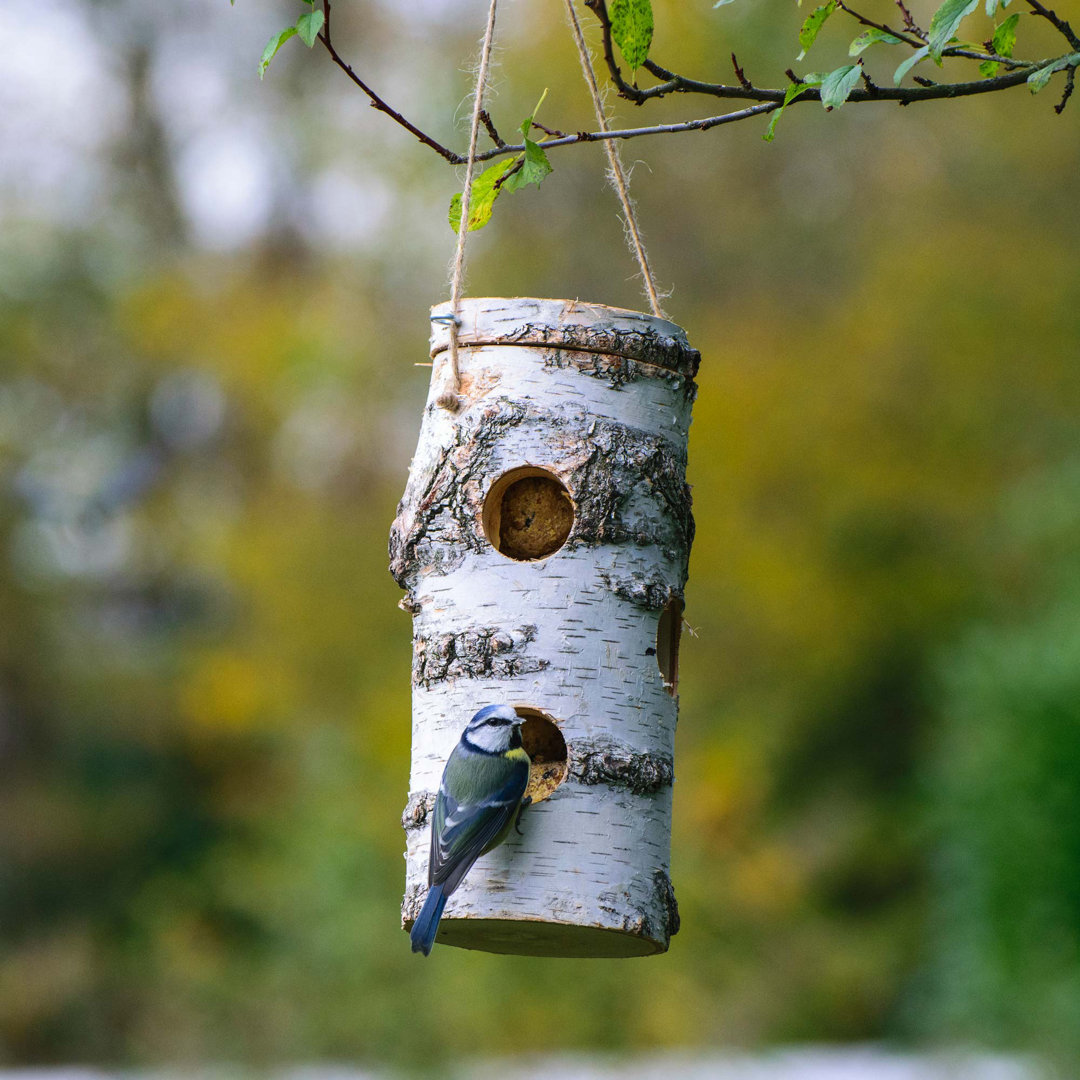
<point x="528" y="513"/>
<point x="544" y="743"/>
<point x="668" y="632"/>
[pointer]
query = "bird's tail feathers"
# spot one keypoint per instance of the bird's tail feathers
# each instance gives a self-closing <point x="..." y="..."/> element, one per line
<point x="426" y="925"/>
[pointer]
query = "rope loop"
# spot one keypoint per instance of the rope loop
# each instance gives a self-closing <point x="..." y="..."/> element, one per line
<point x="450" y="378"/>
<point x="618" y="174"/>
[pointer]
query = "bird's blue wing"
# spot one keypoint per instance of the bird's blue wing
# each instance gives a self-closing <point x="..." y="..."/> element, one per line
<point x="464" y="828"/>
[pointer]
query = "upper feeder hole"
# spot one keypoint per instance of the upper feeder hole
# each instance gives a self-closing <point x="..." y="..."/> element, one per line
<point x="528" y="514"/>
<point x="544" y="743"/>
<point x="668" y="632"/>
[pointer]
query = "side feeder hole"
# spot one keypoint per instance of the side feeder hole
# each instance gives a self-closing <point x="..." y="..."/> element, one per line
<point x="528" y="514"/>
<point x="668" y="632"/>
<point x="546" y="747"/>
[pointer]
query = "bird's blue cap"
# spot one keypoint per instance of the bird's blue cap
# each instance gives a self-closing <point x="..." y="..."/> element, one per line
<point x="504" y="712"/>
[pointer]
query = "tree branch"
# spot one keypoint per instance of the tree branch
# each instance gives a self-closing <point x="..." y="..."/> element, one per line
<point x="773" y="99"/>
<point x="376" y="101"/>
<point x="914" y="42"/>
<point x="1070" y="85"/>
<point x="493" y="134"/>
<point x="669" y="82"/>
<point x="1057" y="22"/>
<point x="632" y="133"/>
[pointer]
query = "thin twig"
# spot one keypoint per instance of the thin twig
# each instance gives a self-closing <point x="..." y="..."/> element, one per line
<point x="553" y="132"/>
<point x="1057" y="22"/>
<point x="744" y="82"/>
<point x="773" y="99"/>
<point x="910" y="25"/>
<point x="632" y="133"/>
<point x="1070" y="85"/>
<point x="1004" y="61"/>
<point x="515" y="168"/>
<point x="917" y="43"/>
<point x="376" y="101"/>
<point x="485" y="119"/>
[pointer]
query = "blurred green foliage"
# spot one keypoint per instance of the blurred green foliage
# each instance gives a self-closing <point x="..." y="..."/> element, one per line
<point x="204" y="677"/>
<point x="1005" y="785"/>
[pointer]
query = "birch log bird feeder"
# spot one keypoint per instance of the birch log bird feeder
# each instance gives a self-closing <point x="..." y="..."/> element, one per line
<point x="543" y="542"/>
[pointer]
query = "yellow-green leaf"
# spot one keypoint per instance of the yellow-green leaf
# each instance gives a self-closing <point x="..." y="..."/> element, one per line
<point x="485" y="190"/>
<point x="632" y="29"/>
<point x="792" y="92"/>
<point x="272" y="47"/>
<point x="813" y="24"/>
<point x="1005" y="36"/>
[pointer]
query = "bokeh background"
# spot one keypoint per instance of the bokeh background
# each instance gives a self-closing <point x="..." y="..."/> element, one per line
<point x="213" y="293"/>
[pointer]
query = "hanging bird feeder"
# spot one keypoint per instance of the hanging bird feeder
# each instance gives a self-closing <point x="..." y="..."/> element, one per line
<point x="543" y="541"/>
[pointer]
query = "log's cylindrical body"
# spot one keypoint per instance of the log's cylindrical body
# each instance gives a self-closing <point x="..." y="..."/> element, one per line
<point x="543" y="541"/>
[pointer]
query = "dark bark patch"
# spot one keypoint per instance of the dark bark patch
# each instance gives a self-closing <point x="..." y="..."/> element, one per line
<point x="617" y="371"/>
<point x="475" y="653"/>
<point x="417" y="809"/>
<point x="600" y="761"/>
<point x="630" y="487"/>
<point x="665" y="892"/>
<point x="441" y="503"/>
<point x="650" y="592"/>
<point x="411" y="904"/>
<point x="648" y="346"/>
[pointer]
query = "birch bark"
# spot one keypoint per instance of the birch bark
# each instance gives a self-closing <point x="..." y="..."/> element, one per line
<point x="600" y="399"/>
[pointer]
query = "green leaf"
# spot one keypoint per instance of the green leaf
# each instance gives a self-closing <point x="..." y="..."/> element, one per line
<point x="909" y="63"/>
<point x="485" y="190"/>
<point x="871" y="37"/>
<point x="632" y="29"/>
<point x="945" y="22"/>
<point x="993" y="5"/>
<point x="813" y="24"/>
<point x="308" y="27"/>
<point x="533" y="169"/>
<point x="838" y="84"/>
<point x="1005" y="36"/>
<point x="793" y="91"/>
<point x="272" y="47"/>
<point x="1041" y="76"/>
<point x="721" y="3"/>
<point x="534" y="162"/>
<point x="989" y="68"/>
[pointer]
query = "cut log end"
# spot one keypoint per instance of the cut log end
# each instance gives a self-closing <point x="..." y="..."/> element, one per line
<point x="527" y="938"/>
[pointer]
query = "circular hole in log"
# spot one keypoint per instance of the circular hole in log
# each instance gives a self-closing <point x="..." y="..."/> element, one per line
<point x="668" y="632"/>
<point x="528" y="514"/>
<point x="544" y="743"/>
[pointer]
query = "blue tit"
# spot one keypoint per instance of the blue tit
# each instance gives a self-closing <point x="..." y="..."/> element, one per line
<point x="481" y="794"/>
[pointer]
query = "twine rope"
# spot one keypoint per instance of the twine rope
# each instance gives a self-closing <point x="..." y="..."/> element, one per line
<point x="448" y="394"/>
<point x="618" y="173"/>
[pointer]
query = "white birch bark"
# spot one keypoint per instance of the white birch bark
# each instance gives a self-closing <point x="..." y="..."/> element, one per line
<point x="601" y="398"/>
